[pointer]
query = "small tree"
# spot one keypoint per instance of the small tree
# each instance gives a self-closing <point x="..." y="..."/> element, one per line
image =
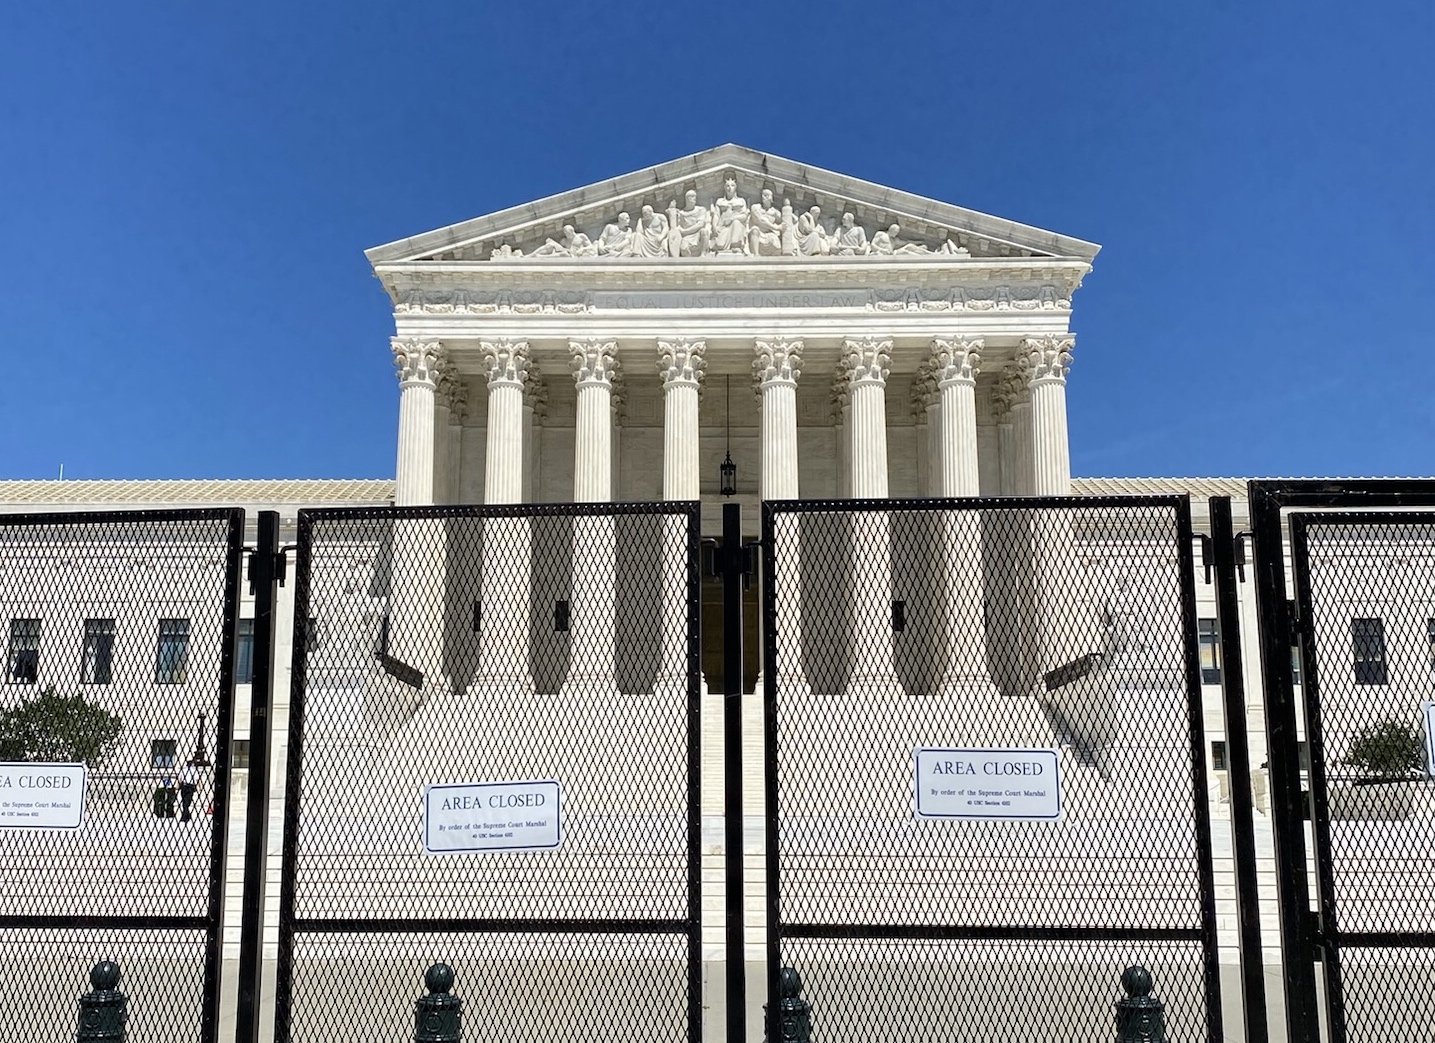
<point x="1387" y="750"/>
<point x="61" y="728"/>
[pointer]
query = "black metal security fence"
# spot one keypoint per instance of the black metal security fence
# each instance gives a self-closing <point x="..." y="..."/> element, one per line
<point x="1350" y="719"/>
<point x="114" y="764"/>
<point x="985" y="788"/>
<point x="494" y="763"/>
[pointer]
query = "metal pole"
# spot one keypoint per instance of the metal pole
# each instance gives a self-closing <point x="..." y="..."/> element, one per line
<point x="734" y="565"/>
<point x="1233" y="691"/>
<point x="266" y="571"/>
<point x="1273" y="615"/>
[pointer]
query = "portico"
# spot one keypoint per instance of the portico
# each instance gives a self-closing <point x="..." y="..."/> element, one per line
<point x="967" y="313"/>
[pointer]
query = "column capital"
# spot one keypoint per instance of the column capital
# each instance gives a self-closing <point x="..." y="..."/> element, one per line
<point x="418" y="361"/>
<point x="507" y="360"/>
<point x="535" y="391"/>
<point x="1009" y="390"/>
<point x="595" y="361"/>
<point x="867" y="359"/>
<point x="956" y="360"/>
<point x="618" y="394"/>
<point x="925" y="392"/>
<point x="1046" y="359"/>
<point x="681" y="362"/>
<point x="778" y="361"/>
<point x="453" y="392"/>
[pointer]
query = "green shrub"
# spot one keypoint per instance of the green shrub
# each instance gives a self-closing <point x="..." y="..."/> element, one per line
<point x="1387" y="749"/>
<point x="66" y="729"/>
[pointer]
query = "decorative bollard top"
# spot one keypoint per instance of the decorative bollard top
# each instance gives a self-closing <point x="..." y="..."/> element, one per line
<point x="438" y="1017"/>
<point x="794" y="1014"/>
<point x="1140" y="1016"/>
<point x="104" y="1010"/>
<point x="105" y="976"/>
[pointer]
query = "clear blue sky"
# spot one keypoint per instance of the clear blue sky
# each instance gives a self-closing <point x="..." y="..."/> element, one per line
<point x="188" y="190"/>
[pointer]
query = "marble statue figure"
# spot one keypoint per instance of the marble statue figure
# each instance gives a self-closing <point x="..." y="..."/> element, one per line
<point x="651" y="239"/>
<point x="764" y="237"/>
<point x="573" y="244"/>
<point x="851" y="239"/>
<point x="617" y="239"/>
<point x="811" y="236"/>
<point x="730" y="220"/>
<point x="690" y="226"/>
<point x="886" y="243"/>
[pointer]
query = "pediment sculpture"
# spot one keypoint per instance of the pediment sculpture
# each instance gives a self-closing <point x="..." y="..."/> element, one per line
<point x="729" y="226"/>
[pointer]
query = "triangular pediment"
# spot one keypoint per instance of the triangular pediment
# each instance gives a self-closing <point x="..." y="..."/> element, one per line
<point x="695" y="214"/>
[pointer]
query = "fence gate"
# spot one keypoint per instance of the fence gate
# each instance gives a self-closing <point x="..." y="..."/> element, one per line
<point x="120" y="657"/>
<point x="493" y="763"/>
<point x="985" y="785"/>
<point x="1361" y="684"/>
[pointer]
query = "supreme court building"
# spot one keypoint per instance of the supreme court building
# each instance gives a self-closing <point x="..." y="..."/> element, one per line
<point x="727" y="327"/>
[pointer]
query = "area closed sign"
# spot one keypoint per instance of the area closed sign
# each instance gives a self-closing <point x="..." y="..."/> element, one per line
<point x="42" y="796"/>
<point x="493" y="816"/>
<point x="1019" y="784"/>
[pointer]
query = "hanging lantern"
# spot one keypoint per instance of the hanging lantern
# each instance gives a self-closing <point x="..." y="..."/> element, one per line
<point x="727" y="483"/>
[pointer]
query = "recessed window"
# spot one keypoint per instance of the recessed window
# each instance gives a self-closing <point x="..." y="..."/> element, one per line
<point x="97" y="652"/>
<point x="1210" y="639"/>
<point x="1218" y="755"/>
<point x="161" y="754"/>
<point x="24" y="651"/>
<point x="244" y="653"/>
<point x="241" y="753"/>
<point x="1295" y="664"/>
<point x="311" y="635"/>
<point x="1367" y="637"/>
<point x="171" y="663"/>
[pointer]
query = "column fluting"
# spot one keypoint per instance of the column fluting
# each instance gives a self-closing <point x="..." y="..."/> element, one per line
<point x="1046" y="361"/>
<point x="681" y="364"/>
<point x="956" y="362"/>
<point x="777" y="366"/>
<point x="507" y="362"/>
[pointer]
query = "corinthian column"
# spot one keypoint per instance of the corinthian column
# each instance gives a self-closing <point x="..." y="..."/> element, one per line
<point x="868" y="361"/>
<point x="681" y="365"/>
<point x="595" y="363"/>
<point x="418" y="363"/>
<point x="777" y="367"/>
<point x="926" y="411"/>
<point x="956" y="362"/>
<point x="1046" y="361"/>
<point x="1021" y="468"/>
<point x="841" y="400"/>
<point x="594" y="590"/>
<point x="874" y="665"/>
<point x="507" y="362"/>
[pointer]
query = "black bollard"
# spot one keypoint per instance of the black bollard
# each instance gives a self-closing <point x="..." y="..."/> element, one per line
<point x="1140" y="1016"/>
<point x="104" y="1010"/>
<point x="794" y="1014"/>
<point x="438" y="1017"/>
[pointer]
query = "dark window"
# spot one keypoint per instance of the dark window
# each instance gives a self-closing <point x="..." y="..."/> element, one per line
<point x="244" y="653"/>
<point x="24" y="651"/>
<point x="1295" y="664"/>
<point x="311" y="635"/>
<point x="1210" y="640"/>
<point x="1368" y="643"/>
<point x="1218" y="755"/>
<point x="97" y="654"/>
<point x="172" y="659"/>
<point x="1430" y="637"/>
<point x="161" y="753"/>
<point x="241" y="753"/>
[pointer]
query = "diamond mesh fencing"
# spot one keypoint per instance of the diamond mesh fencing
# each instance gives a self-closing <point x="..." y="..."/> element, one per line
<point x="986" y="794"/>
<point x="1366" y="592"/>
<point x="120" y="639"/>
<point x="543" y="655"/>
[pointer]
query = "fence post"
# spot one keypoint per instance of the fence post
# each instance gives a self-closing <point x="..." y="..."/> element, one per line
<point x="1140" y="1016"/>
<point x="104" y="1010"/>
<point x="794" y="1014"/>
<point x="438" y="1016"/>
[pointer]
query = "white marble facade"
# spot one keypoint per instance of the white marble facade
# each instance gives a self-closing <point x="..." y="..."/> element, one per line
<point x="937" y="338"/>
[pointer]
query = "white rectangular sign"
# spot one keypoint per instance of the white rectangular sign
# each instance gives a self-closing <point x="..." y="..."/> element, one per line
<point x="1430" y="738"/>
<point x="988" y="784"/>
<point x="42" y="796"/>
<point x="493" y="816"/>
